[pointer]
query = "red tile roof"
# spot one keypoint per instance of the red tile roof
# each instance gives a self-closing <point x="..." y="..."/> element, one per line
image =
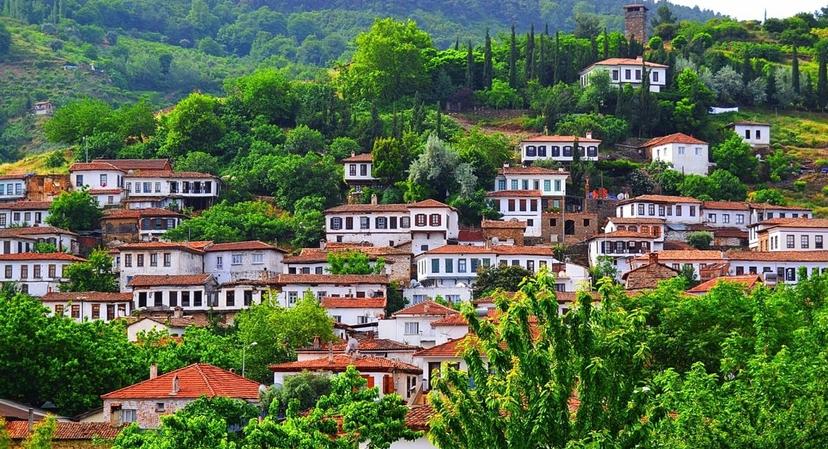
<point x="563" y="139"/>
<point x="448" y="349"/>
<point x="194" y="381"/>
<point x="429" y="203"/>
<point x="426" y="308"/>
<point x="343" y="279"/>
<point x="687" y="254"/>
<point x="366" y="344"/>
<point x="93" y="166"/>
<point x="63" y="257"/>
<point x="660" y="199"/>
<point x="674" y="138"/>
<point x="340" y="362"/>
<point x="726" y="205"/>
<point x="748" y="281"/>
<point x="250" y="245"/>
<point x="19" y="430"/>
<point x="766" y="206"/>
<point x="513" y="250"/>
<point x="15" y="176"/>
<point x="503" y="224"/>
<point x="635" y="220"/>
<point x="138" y="164"/>
<point x="470" y="235"/>
<point x="531" y="170"/>
<point x="367" y="208"/>
<point x="779" y="256"/>
<point x="624" y="235"/>
<point x="353" y="303"/>
<point x="86" y="296"/>
<point x="26" y="205"/>
<point x="105" y="191"/>
<point x="418" y="416"/>
<point x="168" y="174"/>
<point x="139" y="213"/>
<point x="362" y="157"/>
<point x="514" y="194"/>
<point x="194" y="247"/>
<point x="165" y="280"/>
<point x="628" y="61"/>
<point x="34" y="230"/>
<point x="795" y="223"/>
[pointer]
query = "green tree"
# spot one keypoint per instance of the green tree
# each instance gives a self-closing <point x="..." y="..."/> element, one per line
<point x="302" y="140"/>
<point x="306" y="388"/>
<point x="354" y="262"/>
<point x="700" y="239"/>
<point x="226" y="222"/>
<point x="308" y="222"/>
<point x="821" y="50"/>
<point x="513" y="56"/>
<point x="507" y="278"/>
<point x="92" y="275"/>
<point x="194" y="125"/>
<point x="439" y="170"/>
<point x="768" y="196"/>
<point x="488" y="66"/>
<point x="198" y="161"/>
<point x="76" y="210"/>
<point x="42" y="434"/>
<point x="736" y="156"/>
<point x="266" y="93"/>
<point x="5" y="40"/>
<point x="389" y="62"/>
<point x="77" y="120"/>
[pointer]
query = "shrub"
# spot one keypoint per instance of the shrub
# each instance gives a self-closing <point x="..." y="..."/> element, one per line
<point x="800" y="185"/>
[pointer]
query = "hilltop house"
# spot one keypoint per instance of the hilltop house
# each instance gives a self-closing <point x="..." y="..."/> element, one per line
<point x="686" y="154"/>
<point x="623" y="71"/>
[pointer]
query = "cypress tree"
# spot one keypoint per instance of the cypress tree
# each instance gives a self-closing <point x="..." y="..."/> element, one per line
<point x="556" y="58"/>
<point x="822" y="83"/>
<point x="770" y="87"/>
<point x="594" y="45"/>
<point x="747" y="69"/>
<point x="795" y="70"/>
<point x="487" y="62"/>
<point x="513" y="55"/>
<point x="438" y="124"/>
<point x="542" y="71"/>
<point x="808" y="96"/>
<point x="469" y="66"/>
<point x="530" y="54"/>
<point x="457" y="43"/>
<point x="606" y="44"/>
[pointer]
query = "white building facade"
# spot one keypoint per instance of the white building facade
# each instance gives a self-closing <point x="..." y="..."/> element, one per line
<point x="558" y="148"/>
<point x="623" y="71"/>
<point x="686" y="154"/>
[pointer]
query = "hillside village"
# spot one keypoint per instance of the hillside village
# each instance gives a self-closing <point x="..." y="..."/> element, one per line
<point x="388" y="297"/>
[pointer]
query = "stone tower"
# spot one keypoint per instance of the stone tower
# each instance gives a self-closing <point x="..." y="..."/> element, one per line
<point x="635" y="22"/>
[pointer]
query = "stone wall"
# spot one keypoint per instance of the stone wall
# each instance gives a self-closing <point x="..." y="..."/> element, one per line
<point x="147" y="415"/>
<point x="575" y="226"/>
<point x="635" y="23"/>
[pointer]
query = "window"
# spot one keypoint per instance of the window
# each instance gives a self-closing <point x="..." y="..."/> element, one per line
<point x="725" y="218"/>
<point x="140" y="260"/>
<point x="461" y="266"/>
<point x="805" y="242"/>
<point x="363" y="169"/>
<point x="530" y="265"/>
<point x="364" y="222"/>
<point x="128" y="260"/>
<point x="420" y="219"/>
<point x="790" y="274"/>
<point x="655" y="76"/>
<point x="230" y="298"/>
<point x="661" y="211"/>
<point x="818" y="241"/>
<point x="434" y="219"/>
<point x="352" y="169"/>
<point x="449" y="265"/>
<point x="185" y="299"/>
<point x="475" y="263"/>
<point x="236" y="259"/>
<point x="382" y="223"/>
<point x="24" y="271"/>
<point x="747" y="134"/>
<point x="292" y="297"/>
<point x="514" y="184"/>
<point x="412" y="328"/>
<point x="153" y="260"/>
<point x="678" y="210"/>
<point x="790" y="241"/>
<point x="615" y="75"/>
<point x="638" y="74"/>
<point x="692" y="211"/>
<point x="197" y="298"/>
<point x="405" y="222"/>
<point x="219" y="262"/>
<point x="148" y="187"/>
<point x="79" y="180"/>
<point x="76" y="311"/>
<point x="349" y="223"/>
<point x="501" y="184"/>
<point x="128" y="415"/>
<point x="168" y="259"/>
<point x="36" y="271"/>
<point x="336" y="223"/>
<point x="651" y="209"/>
<point x="435" y="266"/>
<point x="59" y="310"/>
<point x="547" y="185"/>
<point x="258" y="258"/>
<point x="542" y="151"/>
<point x="522" y="203"/>
<point x="173" y="299"/>
<point x="511" y="205"/>
<point x="627" y="74"/>
<point x="711" y="218"/>
<point x="8" y="271"/>
<point x="52" y="269"/>
<point x="530" y="151"/>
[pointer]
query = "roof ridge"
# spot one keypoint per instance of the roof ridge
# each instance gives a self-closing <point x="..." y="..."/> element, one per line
<point x="206" y="380"/>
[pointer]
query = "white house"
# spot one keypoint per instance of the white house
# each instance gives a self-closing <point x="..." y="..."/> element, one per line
<point x="558" y="148"/>
<point x="22" y="240"/>
<point x="686" y="154"/>
<point x="131" y="225"/>
<point x="763" y="211"/>
<point x="13" y="187"/>
<point x="412" y="325"/>
<point x="103" y="180"/>
<point x="367" y="343"/>
<point x="36" y="273"/>
<point x="354" y="311"/>
<point x="235" y="261"/>
<point x="624" y="71"/>
<point x="163" y="188"/>
<point x="389" y="376"/>
<point x="789" y="234"/>
<point x="243" y="293"/>
<point x="727" y="214"/>
<point x="24" y="213"/>
<point x="83" y="306"/>
<point x="188" y="291"/>
<point x="416" y="293"/>
<point x="673" y="209"/>
<point x="358" y="171"/>
<point x="159" y="258"/>
<point x="622" y="246"/>
<point x="522" y="205"/>
<point x="294" y="286"/>
<point x="549" y="182"/>
<point x="777" y="266"/>
<point x="754" y="133"/>
<point x="425" y="224"/>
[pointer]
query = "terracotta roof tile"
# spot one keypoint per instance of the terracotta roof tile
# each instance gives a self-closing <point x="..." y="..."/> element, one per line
<point x="648" y="276"/>
<point x="514" y="194"/>
<point x="362" y="157"/>
<point x="726" y="205"/>
<point x="353" y="303"/>
<point x="635" y="220"/>
<point x="779" y="256"/>
<point x="15" y="176"/>
<point x="674" y="138"/>
<point x="418" y="416"/>
<point x="26" y="205"/>
<point x="138" y="164"/>
<point x="624" y="234"/>
<point x="503" y="224"/>
<point x="367" y="208"/>
<point x="688" y="254"/>
<point x="531" y="170"/>
<point x="105" y="191"/>
<point x="343" y="279"/>
<point x="341" y="362"/>
<point x="86" y="296"/>
<point x="628" y="61"/>
<point x="795" y="223"/>
<point x="766" y="206"/>
<point x="470" y="235"/>
<point x="660" y="199"/>
<point x="64" y="257"/>
<point x="34" y="230"/>
<point x="139" y="213"/>
<point x="19" y="430"/>
<point x="163" y="280"/>
<point x="426" y="308"/>
<point x="449" y="349"/>
<point x="93" y="166"/>
<point x="168" y="174"/>
<point x="748" y="281"/>
<point x="366" y="344"/>
<point x="194" y="381"/>
<point x="497" y="249"/>
<point x="563" y="139"/>
<point x="195" y="247"/>
<point x="429" y="203"/>
<point x="250" y="245"/>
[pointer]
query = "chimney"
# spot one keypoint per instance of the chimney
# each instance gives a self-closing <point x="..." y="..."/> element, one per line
<point x="316" y="342"/>
<point x="178" y="312"/>
<point x="374" y="199"/>
<point x="589" y="134"/>
<point x="505" y="165"/>
<point x="653" y="256"/>
<point x="153" y="371"/>
<point x="330" y="353"/>
<point x="176" y="386"/>
<point x="31" y="419"/>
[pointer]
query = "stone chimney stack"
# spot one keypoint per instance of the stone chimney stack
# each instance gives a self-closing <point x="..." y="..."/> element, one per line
<point x="153" y="371"/>
<point x="374" y="199"/>
<point x="635" y="22"/>
<point x="653" y="256"/>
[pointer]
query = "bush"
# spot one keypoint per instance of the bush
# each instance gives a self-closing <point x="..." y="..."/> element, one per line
<point x="700" y="239"/>
<point x="800" y="185"/>
<point x="55" y="159"/>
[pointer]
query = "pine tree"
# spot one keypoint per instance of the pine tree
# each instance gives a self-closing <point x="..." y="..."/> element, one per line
<point x="469" y="66"/>
<point x="513" y="55"/>
<point x="795" y="70"/>
<point x="487" y="62"/>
